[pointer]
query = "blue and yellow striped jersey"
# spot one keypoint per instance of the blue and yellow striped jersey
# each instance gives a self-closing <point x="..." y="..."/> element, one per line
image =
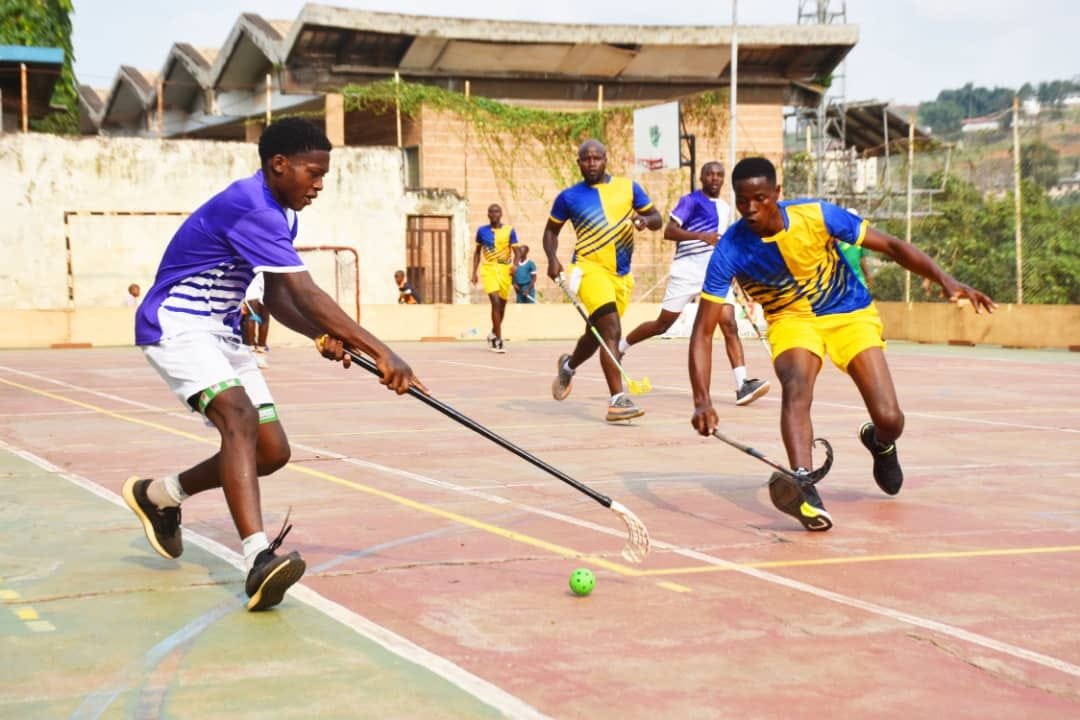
<point x="602" y="218"/>
<point x="799" y="270"/>
<point x="495" y="244"/>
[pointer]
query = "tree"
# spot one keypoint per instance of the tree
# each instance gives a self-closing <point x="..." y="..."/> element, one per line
<point x="46" y="23"/>
<point x="1039" y="163"/>
<point x="973" y="238"/>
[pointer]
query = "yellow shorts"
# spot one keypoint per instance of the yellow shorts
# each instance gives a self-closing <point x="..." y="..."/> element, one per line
<point x="842" y="336"/>
<point x="597" y="286"/>
<point x="496" y="279"/>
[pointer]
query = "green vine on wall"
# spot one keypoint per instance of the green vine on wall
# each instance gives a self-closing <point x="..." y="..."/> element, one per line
<point x="508" y="133"/>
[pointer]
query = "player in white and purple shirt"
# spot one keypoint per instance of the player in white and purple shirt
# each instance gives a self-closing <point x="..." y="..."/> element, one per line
<point x="695" y="225"/>
<point x="189" y="329"/>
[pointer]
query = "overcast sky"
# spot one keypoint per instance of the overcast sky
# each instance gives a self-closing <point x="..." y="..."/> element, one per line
<point x="908" y="50"/>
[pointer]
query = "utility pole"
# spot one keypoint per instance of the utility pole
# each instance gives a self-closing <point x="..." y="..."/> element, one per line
<point x="1017" y="202"/>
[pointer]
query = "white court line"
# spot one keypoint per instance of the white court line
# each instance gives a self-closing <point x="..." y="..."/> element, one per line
<point x="873" y="608"/>
<point x="475" y="686"/>
<point x="681" y="390"/>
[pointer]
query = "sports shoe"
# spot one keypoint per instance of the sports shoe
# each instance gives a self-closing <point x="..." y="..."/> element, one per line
<point x="497" y="346"/>
<point x="491" y="341"/>
<point x="161" y="525"/>
<point x="751" y="390"/>
<point x="272" y="575"/>
<point x="260" y="360"/>
<point x="800" y="500"/>
<point x="560" y="386"/>
<point x="623" y="408"/>
<point x="887" y="473"/>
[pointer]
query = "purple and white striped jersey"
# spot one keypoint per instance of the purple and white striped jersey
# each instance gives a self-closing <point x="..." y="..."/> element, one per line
<point x="697" y="212"/>
<point x="212" y="259"/>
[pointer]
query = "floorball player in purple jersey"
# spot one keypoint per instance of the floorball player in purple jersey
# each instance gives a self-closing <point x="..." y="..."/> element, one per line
<point x="189" y="329"/>
<point x="696" y="223"/>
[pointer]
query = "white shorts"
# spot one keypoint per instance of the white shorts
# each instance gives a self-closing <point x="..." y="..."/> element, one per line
<point x="686" y="277"/>
<point x="191" y="362"/>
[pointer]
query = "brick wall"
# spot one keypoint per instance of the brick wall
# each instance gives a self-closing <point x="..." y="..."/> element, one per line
<point x="455" y="156"/>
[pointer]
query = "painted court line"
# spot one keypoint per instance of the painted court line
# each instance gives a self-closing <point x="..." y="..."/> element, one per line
<point x="896" y="615"/>
<point x="945" y="555"/>
<point x="477" y="687"/>
<point x="392" y="497"/>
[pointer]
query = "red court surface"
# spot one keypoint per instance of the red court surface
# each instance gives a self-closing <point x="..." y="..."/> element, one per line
<point x="438" y="562"/>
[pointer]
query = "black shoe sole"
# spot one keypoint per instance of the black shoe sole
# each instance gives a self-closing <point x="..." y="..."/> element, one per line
<point x="273" y="587"/>
<point x="128" y="493"/>
<point x="788" y="499"/>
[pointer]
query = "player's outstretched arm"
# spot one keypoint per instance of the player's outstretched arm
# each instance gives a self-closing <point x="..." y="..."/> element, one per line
<point x="476" y="265"/>
<point x="675" y="231"/>
<point x="650" y="219"/>
<point x="705" y="419"/>
<point x="912" y="258"/>
<point x="303" y="306"/>
<point x="551" y="248"/>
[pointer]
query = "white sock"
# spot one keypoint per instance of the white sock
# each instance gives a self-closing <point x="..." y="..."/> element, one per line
<point x="172" y="486"/>
<point x="158" y="493"/>
<point x="623" y="345"/>
<point x="253" y="545"/>
<point x="740" y="375"/>
<point x="569" y="369"/>
<point x="616" y="396"/>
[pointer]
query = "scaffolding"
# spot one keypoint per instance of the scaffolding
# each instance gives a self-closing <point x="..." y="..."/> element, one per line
<point x="846" y="149"/>
<point x="820" y="127"/>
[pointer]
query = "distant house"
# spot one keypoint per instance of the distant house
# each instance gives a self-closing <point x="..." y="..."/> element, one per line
<point x="1071" y="100"/>
<point x="1031" y="106"/>
<point x="984" y="123"/>
<point x="1066" y="186"/>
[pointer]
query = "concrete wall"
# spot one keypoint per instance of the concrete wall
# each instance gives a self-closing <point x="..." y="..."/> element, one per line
<point x="89" y="260"/>
<point x="1029" y="326"/>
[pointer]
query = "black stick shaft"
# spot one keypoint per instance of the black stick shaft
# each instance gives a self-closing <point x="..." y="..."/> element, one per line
<point x="481" y="430"/>
<point x="753" y="453"/>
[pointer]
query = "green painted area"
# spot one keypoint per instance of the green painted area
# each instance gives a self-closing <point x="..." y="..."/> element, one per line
<point x="136" y="635"/>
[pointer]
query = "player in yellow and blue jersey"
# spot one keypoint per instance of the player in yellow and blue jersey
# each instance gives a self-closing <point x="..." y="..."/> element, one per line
<point x="605" y="211"/>
<point x="785" y="256"/>
<point x="493" y="264"/>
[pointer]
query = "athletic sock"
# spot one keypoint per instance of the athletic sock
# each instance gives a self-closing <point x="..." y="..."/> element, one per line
<point x="253" y="545"/>
<point x="740" y="376"/>
<point x="175" y="490"/>
<point x="158" y="493"/>
<point x="616" y="396"/>
<point x="566" y="366"/>
<point x="623" y="345"/>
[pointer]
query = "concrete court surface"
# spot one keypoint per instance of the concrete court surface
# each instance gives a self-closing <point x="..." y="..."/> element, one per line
<point x="438" y="562"/>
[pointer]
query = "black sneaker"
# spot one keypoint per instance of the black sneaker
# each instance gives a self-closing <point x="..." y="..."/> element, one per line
<point x="800" y="500"/>
<point x="272" y="575"/>
<point x="560" y="386"/>
<point x="497" y="346"/>
<point x="161" y="525"/>
<point x="491" y="341"/>
<point x="887" y="473"/>
<point x="751" y="390"/>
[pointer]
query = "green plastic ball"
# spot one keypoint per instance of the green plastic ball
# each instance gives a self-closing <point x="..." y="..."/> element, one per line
<point x="582" y="581"/>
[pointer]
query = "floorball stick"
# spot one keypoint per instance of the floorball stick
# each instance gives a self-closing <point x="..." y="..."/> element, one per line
<point x="634" y="386"/>
<point x="637" y="544"/>
<point x="815" y="475"/>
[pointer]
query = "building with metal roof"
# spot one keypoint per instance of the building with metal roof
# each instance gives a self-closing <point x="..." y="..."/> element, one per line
<point x="27" y="72"/>
<point x="326" y="48"/>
